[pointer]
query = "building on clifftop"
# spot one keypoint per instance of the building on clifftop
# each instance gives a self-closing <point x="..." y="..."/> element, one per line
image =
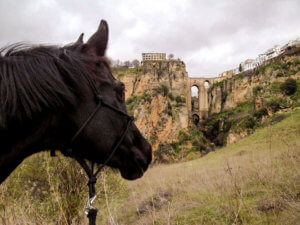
<point x="153" y="56"/>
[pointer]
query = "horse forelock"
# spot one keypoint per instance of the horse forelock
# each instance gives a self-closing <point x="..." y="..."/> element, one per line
<point x="33" y="79"/>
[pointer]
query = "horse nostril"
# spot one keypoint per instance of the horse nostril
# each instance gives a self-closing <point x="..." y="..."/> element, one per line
<point x="149" y="153"/>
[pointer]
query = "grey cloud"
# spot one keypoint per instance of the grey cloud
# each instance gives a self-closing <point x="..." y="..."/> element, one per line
<point x="189" y="29"/>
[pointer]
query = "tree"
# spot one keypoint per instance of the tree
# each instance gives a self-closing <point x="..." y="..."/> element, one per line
<point x="240" y="68"/>
<point x="289" y="87"/>
<point x="170" y="56"/>
<point x="116" y="63"/>
<point x="127" y="64"/>
<point x="135" y="63"/>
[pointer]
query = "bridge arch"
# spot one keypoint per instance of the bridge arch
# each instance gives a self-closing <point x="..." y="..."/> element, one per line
<point x="201" y="110"/>
<point x="206" y="84"/>
<point x="195" y="98"/>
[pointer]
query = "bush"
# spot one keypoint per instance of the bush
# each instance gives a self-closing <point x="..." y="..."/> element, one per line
<point x="198" y="145"/>
<point x="147" y="97"/>
<point x="275" y="87"/>
<point x="183" y="137"/>
<point x="131" y="99"/>
<point x="260" y="113"/>
<point x="280" y="74"/>
<point x="289" y="87"/>
<point x="273" y="104"/>
<point x="256" y="90"/>
<point x="296" y="62"/>
<point x="220" y="140"/>
<point x="163" y="153"/>
<point x="162" y="89"/>
<point x="169" y="109"/>
<point x="247" y="122"/>
<point x="179" y="99"/>
<point x="171" y="96"/>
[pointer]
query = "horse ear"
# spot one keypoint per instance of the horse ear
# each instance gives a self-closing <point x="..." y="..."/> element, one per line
<point x="97" y="43"/>
<point x="80" y="40"/>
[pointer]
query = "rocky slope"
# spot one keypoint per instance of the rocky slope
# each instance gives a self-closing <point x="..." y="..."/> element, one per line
<point x="155" y="95"/>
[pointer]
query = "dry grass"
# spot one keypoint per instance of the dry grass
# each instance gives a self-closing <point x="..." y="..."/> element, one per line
<point x="256" y="181"/>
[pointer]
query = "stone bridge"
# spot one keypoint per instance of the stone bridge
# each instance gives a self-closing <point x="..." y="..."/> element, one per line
<point x="198" y="106"/>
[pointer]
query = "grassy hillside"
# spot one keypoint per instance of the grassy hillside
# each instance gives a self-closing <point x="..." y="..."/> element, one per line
<point x="256" y="181"/>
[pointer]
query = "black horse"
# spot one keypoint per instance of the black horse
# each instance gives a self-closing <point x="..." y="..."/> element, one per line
<point x="47" y="93"/>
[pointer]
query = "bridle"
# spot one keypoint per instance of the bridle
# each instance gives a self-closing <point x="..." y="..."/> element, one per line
<point x="92" y="175"/>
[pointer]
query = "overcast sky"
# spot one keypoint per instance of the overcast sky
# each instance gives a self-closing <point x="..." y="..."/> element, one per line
<point x="209" y="36"/>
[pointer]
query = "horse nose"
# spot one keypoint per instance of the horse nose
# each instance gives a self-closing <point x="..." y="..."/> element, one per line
<point x="149" y="153"/>
<point x="142" y="144"/>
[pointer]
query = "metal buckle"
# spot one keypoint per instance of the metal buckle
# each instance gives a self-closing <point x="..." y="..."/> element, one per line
<point x="88" y="205"/>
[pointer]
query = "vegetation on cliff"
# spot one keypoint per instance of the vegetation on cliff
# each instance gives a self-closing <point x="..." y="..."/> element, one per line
<point x="275" y="89"/>
<point x="246" y="101"/>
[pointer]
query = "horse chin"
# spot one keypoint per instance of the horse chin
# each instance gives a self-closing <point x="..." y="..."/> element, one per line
<point x="131" y="174"/>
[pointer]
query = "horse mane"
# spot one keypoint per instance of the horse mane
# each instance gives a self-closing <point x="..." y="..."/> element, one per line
<point x="35" y="78"/>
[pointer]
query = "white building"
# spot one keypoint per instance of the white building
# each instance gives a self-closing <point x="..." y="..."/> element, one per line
<point x="261" y="58"/>
<point x="273" y="52"/>
<point x="291" y="43"/>
<point x="247" y="64"/>
<point x="269" y="54"/>
<point x="154" y="56"/>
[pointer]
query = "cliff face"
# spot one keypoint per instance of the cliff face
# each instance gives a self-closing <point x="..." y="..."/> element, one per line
<point x="155" y="95"/>
<point x="229" y="92"/>
<point x="252" y="96"/>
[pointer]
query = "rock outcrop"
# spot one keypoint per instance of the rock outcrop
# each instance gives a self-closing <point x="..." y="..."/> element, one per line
<point x="155" y="95"/>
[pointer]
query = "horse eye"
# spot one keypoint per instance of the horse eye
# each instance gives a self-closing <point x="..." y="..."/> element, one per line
<point x="120" y="89"/>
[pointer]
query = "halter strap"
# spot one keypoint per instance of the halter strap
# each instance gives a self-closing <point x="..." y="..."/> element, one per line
<point x="89" y="209"/>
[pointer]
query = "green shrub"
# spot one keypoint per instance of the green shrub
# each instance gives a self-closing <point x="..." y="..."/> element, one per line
<point x="289" y="87"/>
<point x="179" y="99"/>
<point x="163" y="152"/>
<point x="183" y="137"/>
<point x="247" y="122"/>
<point x="280" y="74"/>
<point x="256" y="90"/>
<point x="275" y="87"/>
<point x="273" y="104"/>
<point x="260" y="113"/>
<point x="171" y="96"/>
<point x="276" y="66"/>
<point x="261" y="70"/>
<point x="162" y="89"/>
<point x="296" y="62"/>
<point x="131" y="99"/>
<point x="153" y="138"/>
<point x="220" y="140"/>
<point x="176" y="146"/>
<point x="146" y="97"/>
<point x="198" y="145"/>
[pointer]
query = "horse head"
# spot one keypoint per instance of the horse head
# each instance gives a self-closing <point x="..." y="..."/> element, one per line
<point x="109" y="123"/>
<point x="67" y="98"/>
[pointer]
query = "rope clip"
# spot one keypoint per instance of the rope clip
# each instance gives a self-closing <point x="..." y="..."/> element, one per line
<point x="89" y="205"/>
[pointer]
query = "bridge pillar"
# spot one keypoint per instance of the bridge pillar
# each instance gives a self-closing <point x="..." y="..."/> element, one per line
<point x="203" y="105"/>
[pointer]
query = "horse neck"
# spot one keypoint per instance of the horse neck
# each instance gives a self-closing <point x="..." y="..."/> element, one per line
<point x="19" y="142"/>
